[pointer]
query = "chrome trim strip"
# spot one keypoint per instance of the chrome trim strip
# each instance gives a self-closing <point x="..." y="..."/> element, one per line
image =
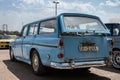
<point x="77" y="64"/>
<point x="43" y="45"/>
<point x="46" y="45"/>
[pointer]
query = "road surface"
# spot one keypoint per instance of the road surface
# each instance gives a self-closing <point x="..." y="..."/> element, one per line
<point x="20" y="71"/>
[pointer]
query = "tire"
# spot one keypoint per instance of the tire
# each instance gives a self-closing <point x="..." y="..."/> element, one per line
<point x="11" y="53"/>
<point x="37" y="65"/>
<point x="116" y="59"/>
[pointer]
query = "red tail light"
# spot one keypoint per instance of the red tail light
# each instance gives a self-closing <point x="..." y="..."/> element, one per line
<point x="61" y="55"/>
<point x="60" y="42"/>
<point x="112" y="42"/>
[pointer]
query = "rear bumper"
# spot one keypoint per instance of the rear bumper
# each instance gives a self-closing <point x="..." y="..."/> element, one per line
<point x="77" y="64"/>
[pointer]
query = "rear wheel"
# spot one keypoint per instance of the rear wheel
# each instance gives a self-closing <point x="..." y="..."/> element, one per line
<point x="37" y="65"/>
<point x="116" y="59"/>
<point x="11" y="53"/>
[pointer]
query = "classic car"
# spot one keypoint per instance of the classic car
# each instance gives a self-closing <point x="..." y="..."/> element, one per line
<point x="115" y="34"/>
<point x="66" y="41"/>
<point x="5" y="40"/>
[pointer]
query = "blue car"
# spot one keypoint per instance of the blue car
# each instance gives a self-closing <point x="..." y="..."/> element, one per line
<point x="66" y="41"/>
<point x="115" y="34"/>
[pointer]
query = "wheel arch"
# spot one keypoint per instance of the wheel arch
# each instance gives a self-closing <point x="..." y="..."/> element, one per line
<point x="41" y="70"/>
<point x="11" y="54"/>
<point x="32" y="51"/>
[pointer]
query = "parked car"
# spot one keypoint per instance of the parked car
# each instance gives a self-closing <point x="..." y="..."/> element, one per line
<point x="115" y="34"/>
<point x="5" y="40"/>
<point x="67" y="41"/>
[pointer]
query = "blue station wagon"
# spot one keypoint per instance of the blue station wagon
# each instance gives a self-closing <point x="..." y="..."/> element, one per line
<point x="67" y="41"/>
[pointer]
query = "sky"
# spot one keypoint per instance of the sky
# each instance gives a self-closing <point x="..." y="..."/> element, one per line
<point x="16" y="13"/>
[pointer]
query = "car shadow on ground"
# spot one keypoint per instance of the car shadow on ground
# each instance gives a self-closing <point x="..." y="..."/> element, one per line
<point x="109" y="68"/>
<point x="24" y="72"/>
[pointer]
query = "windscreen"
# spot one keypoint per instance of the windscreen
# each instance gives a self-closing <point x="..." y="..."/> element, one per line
<point x="83" y="23"/>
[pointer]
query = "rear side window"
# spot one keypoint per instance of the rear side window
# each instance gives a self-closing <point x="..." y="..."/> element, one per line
<point x="48" y="27"/>
<point x="33" y="29"/>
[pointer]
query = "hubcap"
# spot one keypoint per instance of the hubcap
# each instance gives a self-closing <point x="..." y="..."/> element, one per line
<point x="35" y="62"/>
<point x="116" y="59"/>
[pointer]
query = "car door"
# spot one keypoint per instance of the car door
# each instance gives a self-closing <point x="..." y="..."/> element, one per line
<point x="18" y="52"/>
<point x="28" y="40"/>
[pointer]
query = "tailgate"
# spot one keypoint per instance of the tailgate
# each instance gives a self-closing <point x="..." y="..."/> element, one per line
<point x="84" y="48"/>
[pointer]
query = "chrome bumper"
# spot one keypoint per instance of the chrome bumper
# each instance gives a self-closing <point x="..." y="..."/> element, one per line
<point x="77" y="64"/>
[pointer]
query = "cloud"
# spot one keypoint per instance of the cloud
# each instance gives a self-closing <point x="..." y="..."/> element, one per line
<point x="15" y="20"/>
<point x="1" y="0"/>
<point x="111" y="3"/>
<point x="42" y="11"/>
<point x="33" y="1"/>
<point x="76" y="6"/>
<point x="47" y="10"/>
<point x="106" y="17"/>
<point x="28" y="4"/>
<point x="31" y="10"/>
<point x="11" y="19"/>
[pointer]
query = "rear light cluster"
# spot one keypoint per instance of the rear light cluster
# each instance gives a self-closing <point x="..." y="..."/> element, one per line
<point x="60" y="43"/>
<point x="60" y="55"/>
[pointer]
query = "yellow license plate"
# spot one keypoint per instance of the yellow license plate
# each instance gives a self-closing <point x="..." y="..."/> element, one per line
<point x="89" y="48"/>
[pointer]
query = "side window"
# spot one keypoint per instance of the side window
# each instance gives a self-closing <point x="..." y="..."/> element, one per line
<point x="116" y="31"/>
<point x="48" y="27"/>
<point x="24" y="32"/>
<point x="33" y="29"/>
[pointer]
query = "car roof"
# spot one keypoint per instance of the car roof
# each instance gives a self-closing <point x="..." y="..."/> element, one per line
<point x="79" y="14"/>
<point x="69" y="14"/>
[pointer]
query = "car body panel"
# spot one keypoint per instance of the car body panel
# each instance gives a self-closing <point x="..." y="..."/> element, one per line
<point x="75" y="53"/>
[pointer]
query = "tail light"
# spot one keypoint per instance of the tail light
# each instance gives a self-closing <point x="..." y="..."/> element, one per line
<point x="112" y="43"/>
<point x="60" y="43"/>
<point x="60" y="55"/>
